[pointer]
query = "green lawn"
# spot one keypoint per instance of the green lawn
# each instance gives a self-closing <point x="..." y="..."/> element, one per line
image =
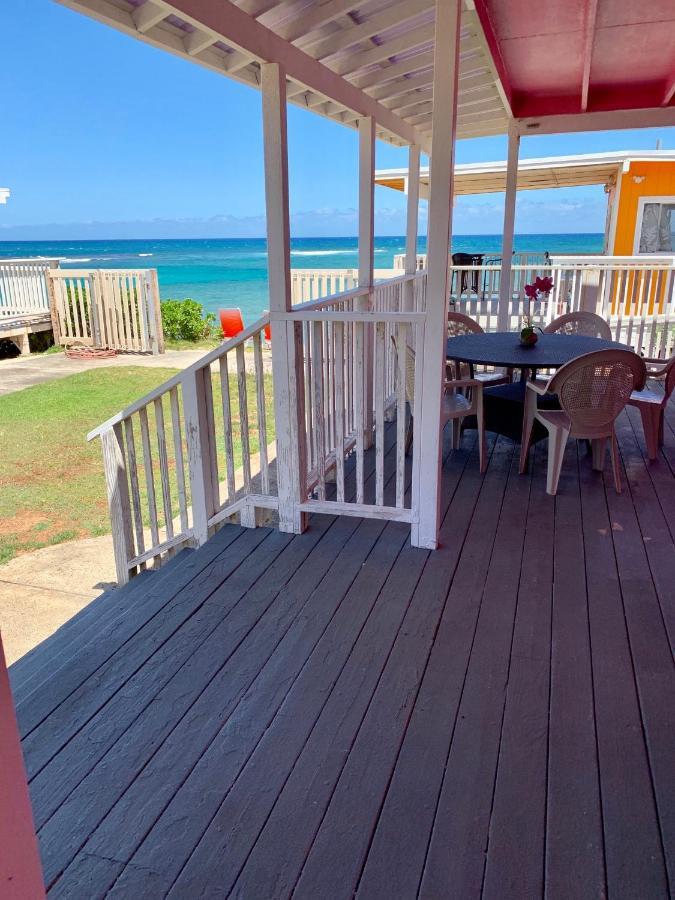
<point x="51" y="480"/>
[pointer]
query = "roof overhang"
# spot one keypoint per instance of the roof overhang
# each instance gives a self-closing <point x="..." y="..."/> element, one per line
<point x="533" y="174"/>
<point x="557" y="65"/>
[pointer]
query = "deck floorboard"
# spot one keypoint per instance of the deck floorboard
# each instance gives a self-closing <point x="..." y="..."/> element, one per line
<point x="337" y="714"/>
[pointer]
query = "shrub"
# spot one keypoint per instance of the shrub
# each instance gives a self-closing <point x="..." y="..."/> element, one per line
<point x="184" y="320"/>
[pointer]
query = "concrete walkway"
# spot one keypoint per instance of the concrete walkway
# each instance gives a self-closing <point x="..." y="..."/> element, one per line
<point x="24" y="371"/>
<point x="41" y="590"/>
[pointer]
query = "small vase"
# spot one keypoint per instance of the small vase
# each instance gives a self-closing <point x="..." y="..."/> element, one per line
<point x="528" y="336"/>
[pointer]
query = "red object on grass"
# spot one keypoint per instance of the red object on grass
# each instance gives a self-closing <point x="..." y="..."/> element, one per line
<point x="231" y="322"/>
<point x="268" y="332"/>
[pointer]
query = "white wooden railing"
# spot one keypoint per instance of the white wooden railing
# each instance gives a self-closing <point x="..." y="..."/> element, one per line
<point x="198" y="449"/>
<point x="636" y="297"/>
<point x="190" y="454"/>
<point x="23" y="287"/>
<point x="106" y="308"/>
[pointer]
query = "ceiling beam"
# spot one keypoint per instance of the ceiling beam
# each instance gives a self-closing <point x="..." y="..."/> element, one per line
<point x="488" y="34"/>
<point x="405" y="67"/>
<point x="590" y="16"/>
<point x="657" y="117"/>
<point x="312" y="19"/>
<point x="148" y="15"/>
<point x="670" y="91"/>
<point x="401" y="44"/>
<point x="391" y="16"/>
<point x="197" y="41"/>
<point x="238" y="29"/>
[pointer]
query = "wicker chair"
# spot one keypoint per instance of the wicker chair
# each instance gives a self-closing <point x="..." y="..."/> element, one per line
<point x="592" y="390"/>
<point x="580" y="322"/>
<point x="459" y="324"/>
<point x="652" y="404"/>
<point x="461" y="397"/>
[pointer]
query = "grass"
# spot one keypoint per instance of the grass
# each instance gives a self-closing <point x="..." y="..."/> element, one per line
<point x="51" y="480"/>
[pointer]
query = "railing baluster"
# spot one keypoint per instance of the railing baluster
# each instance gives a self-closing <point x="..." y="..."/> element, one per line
<point x="118" y="500"/>
<point x="401" y="344"/>
<point x="135" y="491"/>
<point x="163" y="467"/>
<point x="243" y="417"/>
<point x="149" y="474"/>
<point x="379" y="391"/>
<point x="178" y="456"/>
<point x="339" y="335"/>
<point x="318" y="389"/>
<point x="227" y="427"/>
<point x="262" y="413"/>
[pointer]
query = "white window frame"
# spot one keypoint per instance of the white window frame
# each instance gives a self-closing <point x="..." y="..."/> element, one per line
<point x="642" y="201"/>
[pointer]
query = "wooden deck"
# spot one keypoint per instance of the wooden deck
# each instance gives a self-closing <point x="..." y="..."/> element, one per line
<point x="339" y="714"/>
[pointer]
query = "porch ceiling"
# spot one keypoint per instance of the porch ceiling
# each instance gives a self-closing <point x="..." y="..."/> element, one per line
<point x="381" y="50"/>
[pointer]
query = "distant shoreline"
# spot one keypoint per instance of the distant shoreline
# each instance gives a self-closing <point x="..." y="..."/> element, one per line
<point x="221" y="272"/>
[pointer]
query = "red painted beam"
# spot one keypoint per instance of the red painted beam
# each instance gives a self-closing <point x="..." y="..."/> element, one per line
<point x="590" y="16"/>
<point x="20" y="868"/>
<point x="670" y="90"/>
<point x="493" y="45"/>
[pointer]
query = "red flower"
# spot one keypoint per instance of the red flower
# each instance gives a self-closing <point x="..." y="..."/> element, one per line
<point x="532" y="291"/>
<point x="544" y="284"/>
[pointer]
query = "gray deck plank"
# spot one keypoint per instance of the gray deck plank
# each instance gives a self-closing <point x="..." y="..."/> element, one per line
<point x="652" y="660"/>
<point x="279" y="850"/>
<point x="465" y="801"/>
<point x="219" y="624"/>
<point x="338" y="714"/>
<point x="574" y="840"/>
<point x="95" y="654"/>
<point x="88" y="694"/>
<point x="631" y="835"/>
<point x="514" y="865"/>
<point x="334" y="866"/>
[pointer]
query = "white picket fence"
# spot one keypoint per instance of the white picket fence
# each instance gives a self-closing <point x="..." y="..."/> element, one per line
<point x="197" y="450"/>
<point x="106" y="308"/>
<point x="23" y="287"/>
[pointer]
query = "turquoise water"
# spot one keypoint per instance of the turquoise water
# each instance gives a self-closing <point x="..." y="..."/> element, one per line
<point x="234" y="272"/>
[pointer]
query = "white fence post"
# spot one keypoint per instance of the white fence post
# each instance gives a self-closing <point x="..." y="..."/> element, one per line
<point x="505" y="281"/>
<point x="114" y="464"/>
<point x="200" y="441"/>
<point x="427" y="453"/>
<point x="366" y="257"/>
<point x="287" y="359"/>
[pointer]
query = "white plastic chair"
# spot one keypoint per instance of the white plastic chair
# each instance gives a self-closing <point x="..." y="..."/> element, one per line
<point x="462" y="397"/>
<point x="592" y="390"/>
<point x="459" y="324"/>
<point x="581" y="322"/>
<point x="652" y="404"/>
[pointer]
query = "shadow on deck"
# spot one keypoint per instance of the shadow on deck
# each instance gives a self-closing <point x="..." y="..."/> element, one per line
<point x="339" y="714"/>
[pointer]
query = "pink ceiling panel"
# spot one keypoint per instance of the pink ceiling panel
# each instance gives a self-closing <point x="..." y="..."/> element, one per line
<point x="524" y="18"/>
<point x="539" y="52"/>
<point x="633" y="53"/>
<point x="632" y="12"/>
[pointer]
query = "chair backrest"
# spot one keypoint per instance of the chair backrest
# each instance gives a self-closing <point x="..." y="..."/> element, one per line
<point x="595" y="387"/>
<point x="458" y="324"/>
<point x="669" y="383"/>
<point x="461" y="259"/>
<point x="409" y="370"/>
<point x="581" y="322"/>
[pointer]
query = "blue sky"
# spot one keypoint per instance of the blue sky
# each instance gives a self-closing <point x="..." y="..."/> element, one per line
<point x="106" y="137"/>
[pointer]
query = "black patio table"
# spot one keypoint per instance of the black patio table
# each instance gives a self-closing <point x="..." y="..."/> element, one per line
<point x="503" y="404"/>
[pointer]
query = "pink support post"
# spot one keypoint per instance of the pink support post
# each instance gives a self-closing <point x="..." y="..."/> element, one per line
<point x="20" y="868"/>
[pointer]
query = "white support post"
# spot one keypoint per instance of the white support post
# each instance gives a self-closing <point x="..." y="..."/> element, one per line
<point x="411" y="223"/>
<point x="287" y="359"/>
<point x="427" y="437"/>
<point x="367" y="256"/>
<point x="505" y="292"/>
<point x="200" y="441"/>
<point x="114" y="465"/>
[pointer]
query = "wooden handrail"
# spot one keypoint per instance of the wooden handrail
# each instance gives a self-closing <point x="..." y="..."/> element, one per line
<point x="175" y="380"/>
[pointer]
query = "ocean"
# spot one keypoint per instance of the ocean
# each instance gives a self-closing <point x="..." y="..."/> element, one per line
<point x="233" y="272"/>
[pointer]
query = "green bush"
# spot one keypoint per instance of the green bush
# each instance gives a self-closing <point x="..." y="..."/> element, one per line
<point x="184" y="320"/>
